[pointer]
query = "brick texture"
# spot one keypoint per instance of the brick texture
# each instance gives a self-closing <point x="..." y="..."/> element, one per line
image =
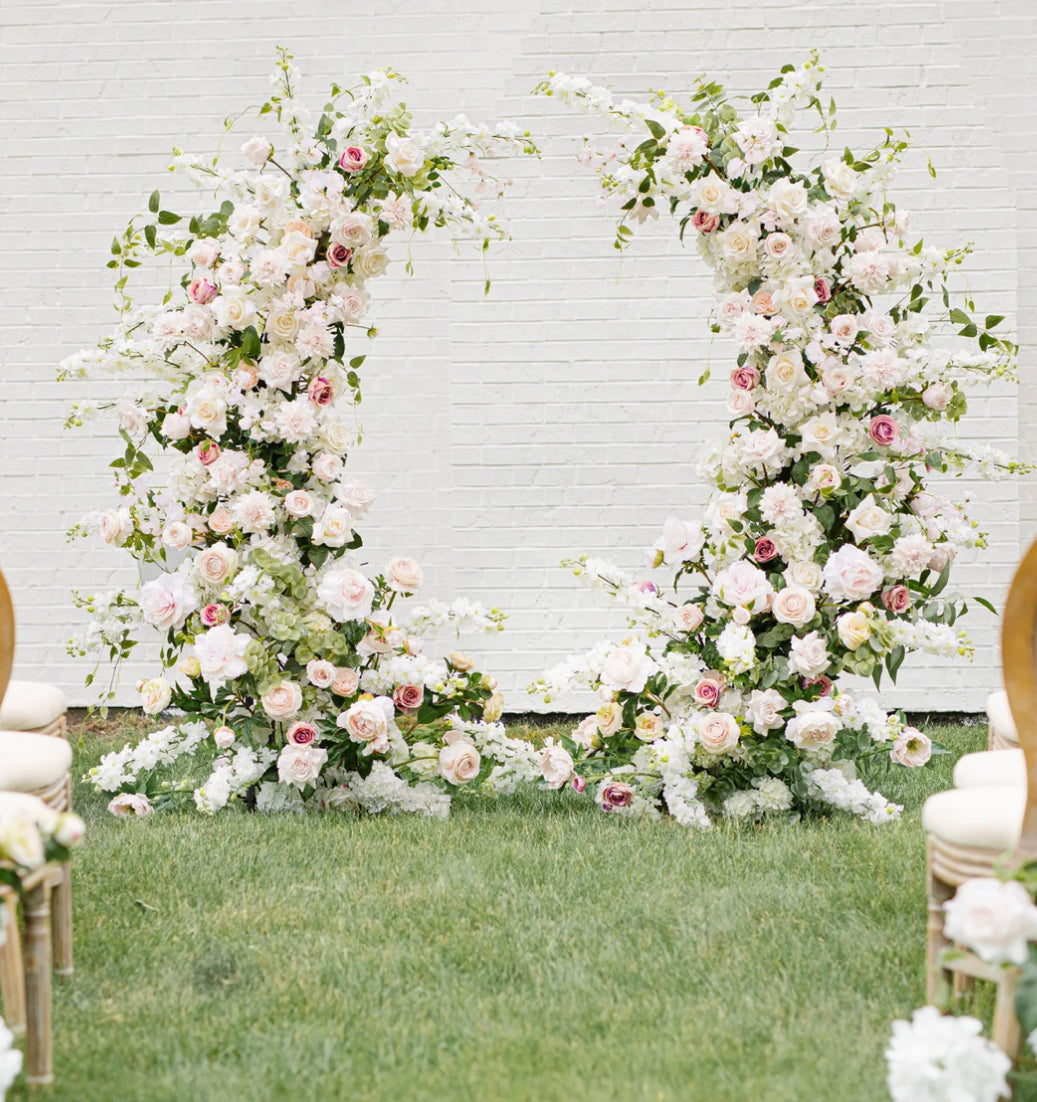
<point x="561" y="413"/>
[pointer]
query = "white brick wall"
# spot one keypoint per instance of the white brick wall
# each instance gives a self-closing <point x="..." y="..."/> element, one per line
<point x="560" y="414"/>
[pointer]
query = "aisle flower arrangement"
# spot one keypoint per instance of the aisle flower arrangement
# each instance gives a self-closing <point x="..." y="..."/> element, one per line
<point x="822" y="551"/>
<point x="296" y="672"/>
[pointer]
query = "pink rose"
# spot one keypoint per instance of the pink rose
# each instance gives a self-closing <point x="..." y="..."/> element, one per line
<point x="200" y="290"/>
<point x="794" y="605"/>
<point x="346" y="682"/>
<point x="763" y="303"/>
<point x="459" y="762"/>
<point x="353" y="159"/>
<point x="822" y="291"/>
<point x="615" y="795"/>
<point x="766" y="549"/>
<point x="579" y="783"/>
<point x="224" y="737"/>
<point x="556" y="766"/>
<point x="130" y="805"/>
<point x="338" y="256"/>
<point x="938" y="395"/>
<point x="301" y="733"/>
<point x="718" y="732"/>
<point x="884" y="430"/>
<point x="897" y="598"/>
<point x="688" y="617"/>
<point x="705" y="222"/>
<point x="408" y="697"/>
<point x="911" y="748"/>
<point x="707" y="692"/>
<point x="320" y="391"/>
<point x="213" y="615"/>
<point x="367" y="721"/>
<point x="300" y="765"/>
<point x="298" y="503"/>
<point x="204" y="252"/>
<point x="208" y="452"/>
<point x="327" y="468"/>
<point x="745" y="378"/>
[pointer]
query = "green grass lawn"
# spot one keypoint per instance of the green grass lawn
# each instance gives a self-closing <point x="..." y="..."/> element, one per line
<point x="527" y="949"/>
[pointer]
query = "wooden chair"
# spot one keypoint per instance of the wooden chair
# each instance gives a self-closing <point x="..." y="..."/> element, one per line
<point x="970" y="828"/>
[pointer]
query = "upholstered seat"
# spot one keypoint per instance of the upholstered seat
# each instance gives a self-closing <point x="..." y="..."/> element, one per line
<point x="33" y="706"/>
<point x="991" y="768"/>
<point x="1002" y="732"/>
<point x="980" y="818"/>
<point x="32" y="763"/>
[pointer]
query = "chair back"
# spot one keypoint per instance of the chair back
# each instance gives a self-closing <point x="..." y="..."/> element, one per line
<point x="1019" y="661"/>
<point x="6" y="636"/>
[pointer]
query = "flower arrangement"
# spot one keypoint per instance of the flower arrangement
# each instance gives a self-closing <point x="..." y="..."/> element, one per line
<point x="31" y="834"/>
<point x="822" y="551"/>
<point x="943" y="1057"/>
<point x="298" y="674"/>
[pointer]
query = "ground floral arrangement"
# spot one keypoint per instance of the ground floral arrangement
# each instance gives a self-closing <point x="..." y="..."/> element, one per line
<point x="297" y="675"/>
<point x="822" y="551"/>
<point x="943" y="1058"/>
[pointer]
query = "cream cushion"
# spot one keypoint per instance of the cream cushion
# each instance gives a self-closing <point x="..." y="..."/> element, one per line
<point x="28" y="705"/>
<point x="29" y="761"/>
<point x="984" y="818"/>
<point x="1000" y="716"/>
<point x="991" y="767"/>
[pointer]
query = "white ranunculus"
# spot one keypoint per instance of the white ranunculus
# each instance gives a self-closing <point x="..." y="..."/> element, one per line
<point x="996" y="920"/>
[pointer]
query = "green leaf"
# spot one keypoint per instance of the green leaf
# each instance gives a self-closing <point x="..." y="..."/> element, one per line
<point x="167" y="217"/>
<point x="150" y="235"/>
<point x="985" y="603"/>
<point x="993" y="320"/>
<point x="153" y="203"/>
<point x="1026" y="994"/>
<point x="941" y="581"/>
<point x="657" y="129"/>
<point x="116" y="247"/>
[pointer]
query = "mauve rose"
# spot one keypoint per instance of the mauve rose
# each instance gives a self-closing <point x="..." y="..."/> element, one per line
<point x="897" y="598"/>
<point x="301" y="734"/>
<point x="346" y="682"/>
<point x="208" y="452"/>
<point x="705" y="222"/>
<point x="408" y="697"/>
<point x="824" y="682"/>
<point x="765" y="549"/>
<point x="615" y="795"/>
<point x="745" y="378"/>
<point x="884" y="430"/>
<point x="213" y="615"/>
<point x="707" y="692"/>
<point x="579" y="783"/>
<point x="338" y="256"/>
<point x="821" y="290"/>
<point x="320" y="391"/>
<point x="353" y="159"/>
<point x="201" y="290"/>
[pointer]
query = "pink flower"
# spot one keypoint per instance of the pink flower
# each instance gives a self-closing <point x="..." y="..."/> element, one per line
<point x="897" y="598"/>
<point x="320" y="391"/>
<point x="765" y="549"/>
<point x="911" y="748"/>
<point x="200" y="290"/>
<point x="707" y="692"/>
<point x="300" y="765"/>
<point x="408" y="697"/>
<point x="825" y="684"/>
<point x="346" y="682"/>
<point x="705" y="222"/>
<point x="579" y="783"/>
<point x="213" y="615"/>
<point x="647" y="587"/>
<point x="282" y="701"/>
<point x="301" y="734"/>
<point x="821" y="290"/>
<point x="688" y="617"/>
<point x="338" y="256"/>
<point x="615" y="795"/>
<point x="745" y="378"/>
<point x="884" y="430"/>
<point x="556" y="766"/>
<point x="208" y="452"/>
<point x="130" y="805"/>
<point x="718" y="732"/>
<point x="353" y="159"/>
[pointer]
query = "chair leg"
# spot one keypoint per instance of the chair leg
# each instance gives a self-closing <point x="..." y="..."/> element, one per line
<point x="61" y="902"/>
<point x="39" y="1045"/>
<point x="12" y="975"/>
<point x="1006" y="1032"/>
<point x="939" y="893"/>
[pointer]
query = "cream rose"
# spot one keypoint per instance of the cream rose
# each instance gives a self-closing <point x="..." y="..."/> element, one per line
<point x="648" y="727"/>
<point x="556" y="766"/>
<point x="403" y="155"/>
<point x="404" y="575"/>
<point x="793" y="605"/>
<point x="298" y="503"/>
<point x="854" y="629"/>
<point x="155" y="694"/>
<point x="785" y="372"/>
<point x="718" y="732"/>
<point x="333" y="527"/>
<point x="282" y="701"/>
<point x="459" y="763"/>
<point x="216" y="564"/>
<point x="300" y="765"/>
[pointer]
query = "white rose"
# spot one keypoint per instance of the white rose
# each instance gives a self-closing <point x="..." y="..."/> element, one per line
<point x="844" y="329"/>
<point x="812" y="728"/>
<point x="321" y="672"/>
<point x="282" y="323"/>
<point x="371" y="262"/>
<point x="300" y="765"/>
<point x="840" y="178"/>
<point x="743" y="584"/>
<point x="257" y="150"/>
<point x="298" y="503"/>
<point x="788" y="199"/>
<point x="785" y="372"/>
<point x="335" y="437"/>
<point x="808" y="655"/>
<point x="155" y="694"/>
<point x="738" y="243"/>
<point x="854" y="629"/>
<point x="334" y="526"/>
<point x="765" y="707"/>
<point x="216" y="564"/>
<point x="404" y="575"/>
<point x="996" y="920"/>
<point x="221" y="654"/>
<point x="459" y="762"/>
<point x="206" y="409"/>
<point x="851" y="574"/>
<point x="327" y="468"/>
<point x="356" y="498"/>
<point x="354" y="230"/>
<point x="224" y="737"/>
<point x="204" y="252"/>
<point x="167" y="601"/>
<point x="868" y="519"/>
<point x="298" y="249"/>
<point x="177" y="535"/>
<point x="806" y="573"/>
<point x="175" y="426"/>
<point x="346" y="594"/>
<point x="627" y="669"/>
<point x="115" y="526"/>
<point x="717" y="731"/>
<point x="244" y="222"/>
<point x="556" y="766"/>
<point x="234" y="309"/>
<point x="681" y="541"/>
<point x="404" y="155"/>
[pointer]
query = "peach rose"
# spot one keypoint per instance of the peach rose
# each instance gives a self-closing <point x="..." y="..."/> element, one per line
<point x="216" y="564"/>
<point x="793" y="605"/>
<point x="556" y="766"/>
<point x="718" y="732"/>
<point x="459" y="763"/>
<point x="282" y="701"/>
<point x="404" y="575"/>
<point x="220" y="521"/>
<point x="346" y="682"/>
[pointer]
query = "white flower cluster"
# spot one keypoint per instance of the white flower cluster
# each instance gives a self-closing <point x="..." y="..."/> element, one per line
<point x="831" y="786"/>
